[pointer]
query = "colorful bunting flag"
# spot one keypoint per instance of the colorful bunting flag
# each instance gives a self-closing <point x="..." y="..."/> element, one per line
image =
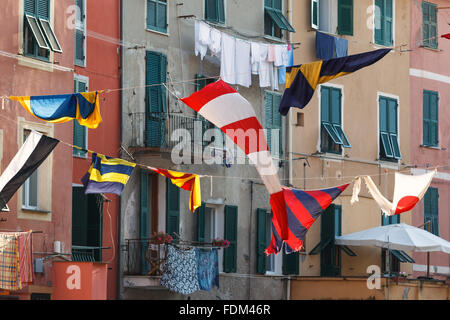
<point x="84" y="107"/>
<point x="303" y="208"/>
<point x="107" y="175"/>
<point x="185" y="181"/>
<point x="302" y="80"/>
<point x="30" y="156"/>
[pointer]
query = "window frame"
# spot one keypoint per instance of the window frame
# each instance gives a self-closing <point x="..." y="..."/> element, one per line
<point x="428" y="42"/>
<point x="382" y="19"/>
<point x="76" y="152"/>
<point x="392" y="136"/>
<point x="156" y="28"/>
<point x="218" y="19"/>
<point x="81" y="26"/>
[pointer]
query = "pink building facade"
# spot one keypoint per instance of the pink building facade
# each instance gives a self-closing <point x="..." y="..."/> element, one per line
<point x="430" y="124"/>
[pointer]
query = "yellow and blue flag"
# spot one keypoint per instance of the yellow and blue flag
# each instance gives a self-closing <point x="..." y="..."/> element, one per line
<point x="84" y="107"/>
<point x="302" y="80"/>
<point x="107" y="175"/>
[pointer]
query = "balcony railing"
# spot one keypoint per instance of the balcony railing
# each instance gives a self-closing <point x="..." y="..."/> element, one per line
<point x="87" y="253"/>
<point x="162" y="130"/>
<point x="144" y="257"/>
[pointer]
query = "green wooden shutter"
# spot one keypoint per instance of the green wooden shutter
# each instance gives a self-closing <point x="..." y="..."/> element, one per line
<point x="269" y="118"/>
<point x="79" y="131"/>
<point x="379" y="21"/>
<point x="156" y="64"/>
<point x="426" y="119"/>
<point x="261" y="240"/>
<point x="172" y="208"/>
<point x="201" y="222"/>
<point x="230" y="253"/>
<point x="429" y="25"/>
<point x="345" y="17"/>
<point x="277" y="124"/>
<point x="335" y="112"/>
<point x="79" y="217"/>
<point x="144" y="229"/>
<point x="434" y="119"/>
<point x="95" y="223"/>
<point x="157" y="15"/>
<point x="221" y="10"/>
<point x="43" y="9"/>
<point x="431" y="210"/>
<point x="215" y="11"/>
<point x="79" y="47"/>
<point x="388" y="23"/>
<point x="329" y="257"/>
<point x="30" y="6"/>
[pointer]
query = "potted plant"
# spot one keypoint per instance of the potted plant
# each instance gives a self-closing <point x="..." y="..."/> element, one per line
<point x="220" y="242"/>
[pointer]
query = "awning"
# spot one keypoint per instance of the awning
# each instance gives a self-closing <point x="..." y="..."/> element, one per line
<point x="402" y="256"/>
<point x="279" y="19"/>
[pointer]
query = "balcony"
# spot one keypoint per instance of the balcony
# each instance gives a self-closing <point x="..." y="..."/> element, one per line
<point x="161" y="132"/>
<point x="143" y="261"/>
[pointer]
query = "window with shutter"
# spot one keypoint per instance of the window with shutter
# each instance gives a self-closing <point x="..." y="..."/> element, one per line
<point x="172" y="208"/>
<point x="429" y="25"/>
<point x="215" y="11"/>
<point x="201" y="223"/>
<point x="39" y="37"/>
<point x="345" y="17"/>
<point x="273" y="121"/>
<point x="80" y="33"/>
<point x="333" y="138"/>
<point x="157" y="15"/>
<point x="431" y="210"/>
<point x="80" y="133"/>
<point x="330" y="255"/>
<point x="274" y="19"/>
<point x="388" y="135"/>
<point x="155" y="99"/>
<point x="230" y="253"/>
<point x="384" y="22"/>
<point x="144" y="219"/>
<point x="261" y="240"/>
<point x="430" y="118"/>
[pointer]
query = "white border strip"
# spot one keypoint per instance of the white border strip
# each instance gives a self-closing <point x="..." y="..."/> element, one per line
<point x="429" y="75"/>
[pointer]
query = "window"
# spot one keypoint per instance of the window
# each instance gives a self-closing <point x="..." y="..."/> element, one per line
<point x="384" y="22"/>
<point x="429" y="25"/>
<point x="80" y="33"/>
<point x="155" y="99"/>
<point x="332" y="16"/>
<point x="332" y="135"/>
<point x="39" y="37"/>
<point x="274" y="124"/>
<point x="215" y="11"/>
<point x="389" y="146"/>
<point x="157" y="15"/>
<point x="430" y="118"/>
<point x="206" y="223"/>
<point x="172" y="208"/>
<point x="274" y="20"/>
<point x="330" y="254"/>
<point x="264" y="263"/>
<point x="30" y="190"/>
<point x="80" y="133"/>
<point x="230" y="233"/>
<point x="431" y="210"/>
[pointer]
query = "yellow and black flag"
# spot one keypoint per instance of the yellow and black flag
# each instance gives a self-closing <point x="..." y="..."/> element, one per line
<point x="302" y="80"/>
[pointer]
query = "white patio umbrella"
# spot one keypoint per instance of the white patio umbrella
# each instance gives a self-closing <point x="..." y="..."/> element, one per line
<point x="398" y="236"/>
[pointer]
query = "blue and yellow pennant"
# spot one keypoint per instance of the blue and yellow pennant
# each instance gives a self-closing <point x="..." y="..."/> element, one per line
<point x="107" y="175"/>
<point x="302" y="80"/>
<point x="84" y="107"/>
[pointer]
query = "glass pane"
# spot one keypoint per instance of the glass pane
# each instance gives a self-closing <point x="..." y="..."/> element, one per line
<point x="37" y="33"/>
<point x="392" y="116"/>
<point x="345" y="142"/>
<point x="336" y="106"/>
<point x="386" y="145"/>
<point x="325" y="104"/>
<point x="395" y="146"/>
<point x="383" y="115"/>
<point x="50" y="35"/>
<point x="332" y="133"/>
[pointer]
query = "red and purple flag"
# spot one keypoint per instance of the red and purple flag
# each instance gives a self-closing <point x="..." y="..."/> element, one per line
<point x="302" y="208"/>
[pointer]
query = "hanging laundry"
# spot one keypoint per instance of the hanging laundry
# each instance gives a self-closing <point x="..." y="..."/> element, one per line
<point x="215" y="43"/>
<point x="447" y="36"/>
<point x="9" y="262"/>
<point x="26" y="257"/>
<point x="84" y="107"/>
<point x="302" y="80"/>
<point x="185" y="181"/>
<point x="107" y="175"/>
<point x="325" y="46"/>
<point x="278" y="61"/>
<point x="179" y="271"/>
<point x="30" y="156"/>
<point x="274" y="78"/>
<point x="207" y="268"/>
<point x="243" y="63"/>
<point x="285" y="63"/>
<point x="341" y="46"/>
<point x="256" y="57"/>
<point x="228" y="59"/>
<point x="202" y="30"/>
<point x="220" y="104"/>
<point x="271" y="53"/>
<point x="303" y="209"/>
<point x="408" y="191"/>
<point x="265" y="67"/>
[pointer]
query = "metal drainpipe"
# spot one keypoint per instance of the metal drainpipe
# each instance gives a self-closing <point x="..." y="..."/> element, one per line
<point x="250" y="242"/>
<point x="119" y="214"/>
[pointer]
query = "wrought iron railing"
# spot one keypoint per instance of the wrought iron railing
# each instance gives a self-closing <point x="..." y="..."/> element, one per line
<point x="87" y="253"/>
<point x="162" y="130"/>
<point x="144" y="257"/>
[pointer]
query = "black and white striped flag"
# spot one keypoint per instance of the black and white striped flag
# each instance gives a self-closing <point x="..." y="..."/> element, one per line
<point x="33" y="152"/>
